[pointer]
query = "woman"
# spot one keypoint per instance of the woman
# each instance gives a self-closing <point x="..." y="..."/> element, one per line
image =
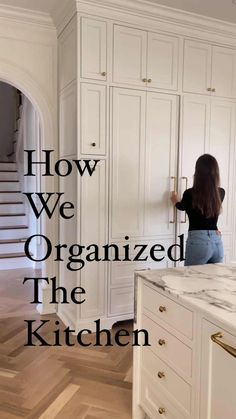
<point x="202" y="204"/>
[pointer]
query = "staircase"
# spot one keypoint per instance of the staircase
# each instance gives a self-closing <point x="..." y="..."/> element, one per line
<point x="13" y="219"/>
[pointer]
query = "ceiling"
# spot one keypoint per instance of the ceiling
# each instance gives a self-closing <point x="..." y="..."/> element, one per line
<point x="45" y="6"/>
<point x="219" y="9"/>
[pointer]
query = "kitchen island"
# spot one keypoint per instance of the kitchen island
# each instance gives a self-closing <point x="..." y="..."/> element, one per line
<point x="189" y="369"/>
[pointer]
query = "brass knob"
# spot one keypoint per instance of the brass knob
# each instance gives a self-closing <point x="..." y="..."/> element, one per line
<point x="149" y="80"/>
<point x="213" y="90"/>
<point x="104" y="73"/>
<point x="161" y="374"/>
<point x="209" y="89"/>
<point x="162" y="309"/>
<point x="161" y="410"/>
<point x="161" y="342"/>
<point x="93" y="144"/>
<point x="145" y="80"/>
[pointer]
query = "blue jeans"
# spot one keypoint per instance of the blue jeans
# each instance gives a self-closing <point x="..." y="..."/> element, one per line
<point x="203" y="246"/>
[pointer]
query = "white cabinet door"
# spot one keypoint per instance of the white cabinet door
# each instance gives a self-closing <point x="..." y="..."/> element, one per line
<point x="161" y="163"/>
<point x="93" y="119"/>
<point x="222" y="137"/>
<point x="162" y="66"/>
<point x="93" y="49"/>
<point x="218" y="375"/>
<point x="194" y="143"/>
<point x="129" y="60"/>
<point x="224" y="71"/>
<point x="197" y="67"/>
<point x="94" y="231"/>
<point x="127" y="163"/>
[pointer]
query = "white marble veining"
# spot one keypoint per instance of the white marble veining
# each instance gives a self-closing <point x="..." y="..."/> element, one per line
<point x="211" y="288"/>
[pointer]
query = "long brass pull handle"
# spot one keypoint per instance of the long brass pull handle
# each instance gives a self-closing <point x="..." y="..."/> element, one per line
<point x="174" y="209"/>
<point x="186" y="187"/>
<point x="215" y="338"/>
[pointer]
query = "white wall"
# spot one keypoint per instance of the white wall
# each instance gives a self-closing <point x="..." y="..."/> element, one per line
<point x="7" y="118"/>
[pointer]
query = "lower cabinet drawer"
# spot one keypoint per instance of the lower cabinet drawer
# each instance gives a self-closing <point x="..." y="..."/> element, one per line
<point x="167" y="380"/>
<point x="170" y="349"/>
<point x="154" y="402"/>
<point x="121" y="301"/>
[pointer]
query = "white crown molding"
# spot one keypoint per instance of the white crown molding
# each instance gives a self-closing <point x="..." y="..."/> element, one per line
<point x="149" y="9"/>
<point x="63" y="14"/>
<point x="18" y="14"/>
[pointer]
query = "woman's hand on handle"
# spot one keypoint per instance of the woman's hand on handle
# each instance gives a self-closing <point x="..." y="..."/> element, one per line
<point x="174" y="197"/>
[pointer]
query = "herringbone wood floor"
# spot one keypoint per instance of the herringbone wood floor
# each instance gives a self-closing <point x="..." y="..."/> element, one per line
<point x="62" y="382"/>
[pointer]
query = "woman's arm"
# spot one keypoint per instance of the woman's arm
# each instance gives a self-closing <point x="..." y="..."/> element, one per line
<point x="180" y="204"/>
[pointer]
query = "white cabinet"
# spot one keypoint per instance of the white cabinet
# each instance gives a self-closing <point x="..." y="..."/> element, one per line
<point x="129" y="55"/>
<point x="94" y="232"/>
<point x="224" y="71"/>
<point x="127" y="163"/>
<point x="218" y="374"/>
<point x="209" y="69"/>
<point x="197" y="67"/>
<point x="145" y="58"/>
<point x="93" y="49"/>
<point x="93" y="119"/>
<point x="160" y="163"/>
<point x="162" y="62"/>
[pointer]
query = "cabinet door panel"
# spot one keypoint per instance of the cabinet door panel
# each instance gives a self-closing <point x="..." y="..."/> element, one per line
<point x="161" y="162"/>
<point x="162" y="66"/>
<point x="129" y="61"/>
<point x="222" y="134"/>
<point x="127" y="163"/>
<point x="93" y="49"/>
<point x="93" y="119"/>
<point x="93" y="231"/>
<point x="197" y="67"/>
<point x="218" y="376"/>
<point x="194" y="143"/>
<point x="224" y="71"/>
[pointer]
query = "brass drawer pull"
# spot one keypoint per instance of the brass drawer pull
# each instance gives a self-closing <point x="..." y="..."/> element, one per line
<point x="213" y="90"/>
<point x="104" y="73"/>
<point x="144" y="80"/>
<point x="215" y="338"/>
<point x="93" y="144"/>
<point x="149" y="80"/>
<point x="161" y="374"/>
<point x="161" y="410"/>
<point x="161" y="342"/>
<point x="162" y="309"/>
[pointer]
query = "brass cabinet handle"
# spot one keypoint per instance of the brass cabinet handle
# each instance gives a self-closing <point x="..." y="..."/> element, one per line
<point x="213" y="90"/>
<point x="161" y="410"/>
<point x="161" y="342"/>
<point x="161" y="374"/>
<point x="149" y="80"/>
<point x="186" y="187"/>
<point x="93" y="144"/>
<point x="144" y="80"/>
<point x="215" y="338"/>
<point x="174" y="209"/>
<point x="162" y="309"/>
<point x="209" y="89"/>
<point x="104" y="73"/>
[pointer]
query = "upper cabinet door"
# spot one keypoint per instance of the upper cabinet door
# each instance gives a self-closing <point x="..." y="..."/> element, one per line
<point x="197" y="67"/>
<point x="162" y="67"/>
<point x="93" y="49"/>
<point x="129" y="61"/>
<point x="93" y="119"/>
<point x="224" y="72"/>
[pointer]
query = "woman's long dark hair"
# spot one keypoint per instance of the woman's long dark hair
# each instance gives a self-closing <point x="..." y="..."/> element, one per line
<point x="206" y="195"/>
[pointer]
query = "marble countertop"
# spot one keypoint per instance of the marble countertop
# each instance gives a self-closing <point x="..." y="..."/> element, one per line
<point x="209" y="288"/>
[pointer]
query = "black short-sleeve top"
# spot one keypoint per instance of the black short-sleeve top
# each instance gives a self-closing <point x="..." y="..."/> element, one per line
<point x="197" y="221"/>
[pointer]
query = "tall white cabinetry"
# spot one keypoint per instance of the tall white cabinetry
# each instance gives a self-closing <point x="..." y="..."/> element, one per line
<point x="146" y="103"/>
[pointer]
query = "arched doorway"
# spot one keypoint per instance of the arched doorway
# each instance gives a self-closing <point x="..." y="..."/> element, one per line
<point x="47" y="113"/>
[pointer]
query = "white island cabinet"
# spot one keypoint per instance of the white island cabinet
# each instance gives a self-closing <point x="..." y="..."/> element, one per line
<point x="189" y="369"/>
